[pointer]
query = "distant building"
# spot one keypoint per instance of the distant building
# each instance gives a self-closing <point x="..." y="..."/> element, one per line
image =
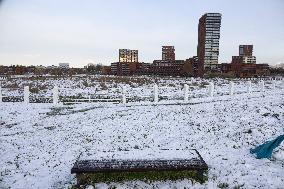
<point x="194" y="64"/>
<point x="245" y="50"/>
<point x="123" y="68"/>
<point x="245" y="65"/>
<point x="127" y="55"/>
<point x="208" y="41"/>
<point x="168" y="53"/>
<point x="249" y="59"/>
<point x="167" y="68"/>
<point x="51" y="67"/>
<point x="64" y="65"/>
<point x="245" y="55"/>
<point x="106" y="70"/>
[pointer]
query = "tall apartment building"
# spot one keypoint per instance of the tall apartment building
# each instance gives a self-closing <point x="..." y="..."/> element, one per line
<point x="168" y="53"/>
<point x="208" y="41"/>
<point x="245" y="50"/>
<point x="127" y="55"/>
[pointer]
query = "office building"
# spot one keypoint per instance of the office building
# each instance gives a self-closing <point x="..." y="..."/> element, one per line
<point x="208" y="41"/>
<point x="127" y="55"/>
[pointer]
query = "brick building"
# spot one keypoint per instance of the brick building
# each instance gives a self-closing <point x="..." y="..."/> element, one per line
<point x="245" y="65"/>
<point x="168" y="53"/>
<point x="245" y="50"/>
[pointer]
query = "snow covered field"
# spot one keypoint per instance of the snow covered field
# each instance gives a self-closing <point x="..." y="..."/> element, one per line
<point x="39" y="143"/>
<point x="138" y="88"/>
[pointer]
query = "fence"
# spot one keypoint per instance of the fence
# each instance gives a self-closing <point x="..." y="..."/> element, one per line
<point x="156" y="95"/>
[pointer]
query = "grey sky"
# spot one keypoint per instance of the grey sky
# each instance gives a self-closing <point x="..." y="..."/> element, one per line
<point x="41" y="32"/>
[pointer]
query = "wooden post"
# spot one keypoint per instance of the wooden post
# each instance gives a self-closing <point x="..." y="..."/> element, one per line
<point x="156" y="93"/>
<point x="26" y="94"/>
<point x="249" y="87"/>
<point x="211" y="89"/>
<point x="55" y="95"/>
<point x="123" y="95"/>
<point x="262" y="86"/>
<point x="186" y="93"/>
<point x="231" y="88"/>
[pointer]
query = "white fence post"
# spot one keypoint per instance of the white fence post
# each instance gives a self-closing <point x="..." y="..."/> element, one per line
<point x="211" y="89"/>
<point x="26" y="94"/>
<point x="55" y="95"/>
<point x="156" y="93"/>
<point x="186" y="88"/>
<point x="273" y="84"/>
<point x="123" y="95"/>
<point x="0" y="93"/>
<point x="249" y="87"/>
<point x="231" y="88"/>
<point x="262" y="86"/>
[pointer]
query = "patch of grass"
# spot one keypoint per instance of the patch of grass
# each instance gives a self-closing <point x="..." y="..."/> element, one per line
<point x="92" y="178"/>
<point x="266" y="114"/>
<point x="276" y="116"/>
<point x="203" y="84"/>
<point x="58" y="111"/>
<point x="223" y="185"/>
<point x="248" y="131"/>
<point x="50" y="128"/>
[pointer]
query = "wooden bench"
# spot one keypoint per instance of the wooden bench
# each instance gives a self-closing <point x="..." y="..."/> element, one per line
<point x="115" y="170"/>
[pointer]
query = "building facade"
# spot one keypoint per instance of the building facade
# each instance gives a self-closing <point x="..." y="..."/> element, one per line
<point x="167" y="68"/>
<point x="168" y="53"/>
<point x="249" y="59"/>
<point x="64" y="65"/>
<point x="245" y="50"/>
<point x="208" y="41"/>
<point x="127" y="55"/>
<point x="245" y="55"/>
<point x="245" y="65"/>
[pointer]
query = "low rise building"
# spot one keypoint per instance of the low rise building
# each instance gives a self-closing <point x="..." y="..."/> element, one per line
<point x="63" y="65"/>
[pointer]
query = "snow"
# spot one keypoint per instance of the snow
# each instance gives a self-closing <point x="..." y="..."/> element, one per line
<point x="39" y="143"/>
<point x="143" y="154"/>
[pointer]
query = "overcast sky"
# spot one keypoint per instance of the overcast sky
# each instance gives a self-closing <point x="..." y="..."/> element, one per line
<point x="46" y="32"/>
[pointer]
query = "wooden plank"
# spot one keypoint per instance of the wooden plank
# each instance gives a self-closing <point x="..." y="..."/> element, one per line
<point x="117" y="165"/>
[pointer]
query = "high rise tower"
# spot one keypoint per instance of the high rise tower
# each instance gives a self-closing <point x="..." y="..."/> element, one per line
<point x="208" y="41"/>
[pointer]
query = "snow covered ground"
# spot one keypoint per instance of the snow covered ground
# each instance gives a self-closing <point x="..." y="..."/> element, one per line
<point x="39" y="143"/>
<point x="138" y="88"/>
